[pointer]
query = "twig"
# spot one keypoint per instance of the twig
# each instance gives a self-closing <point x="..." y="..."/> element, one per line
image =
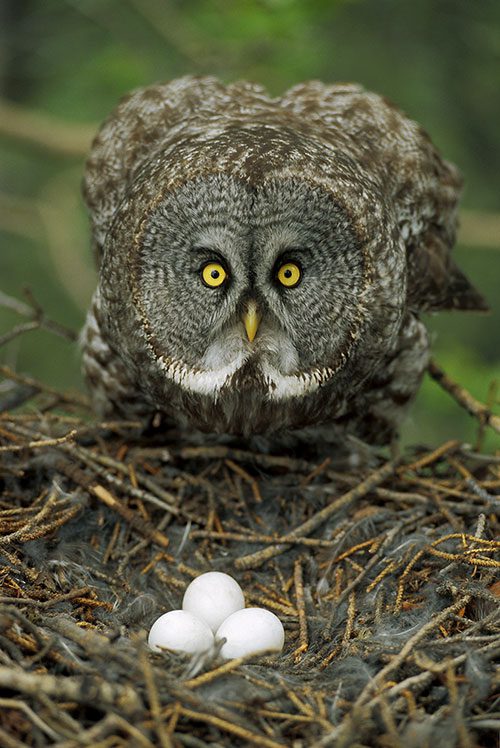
<point x="154" y="701"/>
<point x="84" y="690"/>
<point x="73" y="398"/>
<point x="37" y="444"/>
<point x="30" y="714"/>
<point x="133" y="519"/>
<point x="241" y="732"/>
<point x="104" y="728"/>
<point x="258" y="538"/>
<point x="17" y="331"/>
<point x="299" y="596"/>
<point x="46" y="603"/>
<point x="34" y="522"/>
<point x="218" y="672"/>
<point x="351" y="614"/>
<point x="464" y="398"/>
<point x="222" y="452"/>
<point x="433" y="456"/>
<point x="8" y="741"/>
<point x="409" y="647"/>
<point x="36" y="313"/>
<point x="257" y="559"/>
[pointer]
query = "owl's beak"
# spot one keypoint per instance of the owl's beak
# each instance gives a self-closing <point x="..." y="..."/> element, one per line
<point x="251" y="320"/>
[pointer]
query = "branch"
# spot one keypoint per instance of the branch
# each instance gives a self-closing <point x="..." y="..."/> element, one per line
<point x="35" y="312"/>
<point x="464" y="398"/>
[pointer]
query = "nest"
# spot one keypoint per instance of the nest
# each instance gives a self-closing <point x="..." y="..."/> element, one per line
<point x="383" y="576"/>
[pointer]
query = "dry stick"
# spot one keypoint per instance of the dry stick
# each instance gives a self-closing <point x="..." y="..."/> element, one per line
<point x="95" y="461"/>
<point x="417" y="682"/>
<point x="246" y="477"/>
<point x="41" y="443"/>
<point x="17" y="331"/>
<point x="64" y="721"/>
<point x="255" y="560"/>
<point x="257" y="538"/>
<point x="349" y="589"/>
<point x="286" y="717"/>
<point x="8" y="741"/>
<point x="462" y="557"/>
<point x="154" y="701"/>
<point x="61" y="519"/>
<point x="102" y="729"/>
<point x="84" y="690"/>
<point x="173" y="714"/>
<point x="351" y="614"/>
<point x="269" y="602"/>
<point x="464" y="398"/>
<point x="35" y="311"/>
<point x="139" y="546"/>
<point x="139" y="524"/>
<point x="19" y="418"/>
<point x="230" y="727"/>
<point x="74" y="398"/>
<point x="410" y="645"/>
<point x="82" y="479"/>
<point x="80" y="592"/>
<point x="364" y="703"/>
<point x="227" y="667"/>
<point x="34" y="521"/>
<point x="301" y="608"/>
<point x="433" y="456"/>
<point x="221" y="452"/>
<point x="382" y="493"/>
<point x="30" y="714"/>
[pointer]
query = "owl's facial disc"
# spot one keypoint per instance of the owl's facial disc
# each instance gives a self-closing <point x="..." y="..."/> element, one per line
<point x="250" y="287"/>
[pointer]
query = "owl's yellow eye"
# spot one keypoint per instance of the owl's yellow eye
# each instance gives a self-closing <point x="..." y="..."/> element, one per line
<point x="213" y="274"/>
<point x="289" y="274"/>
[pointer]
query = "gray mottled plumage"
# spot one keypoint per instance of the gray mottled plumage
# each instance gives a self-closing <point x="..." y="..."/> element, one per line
<point x="333" y="178"/>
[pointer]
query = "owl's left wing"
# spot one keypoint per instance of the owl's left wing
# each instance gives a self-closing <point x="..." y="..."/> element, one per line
<point x="422" y="188"/>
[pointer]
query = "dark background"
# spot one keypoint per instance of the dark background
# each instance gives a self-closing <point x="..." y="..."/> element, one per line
<point x="65" y="63"/>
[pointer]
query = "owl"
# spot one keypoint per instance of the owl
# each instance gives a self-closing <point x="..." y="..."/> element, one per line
<point x="263" y="262"/>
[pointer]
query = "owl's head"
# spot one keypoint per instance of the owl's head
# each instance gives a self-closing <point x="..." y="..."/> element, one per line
<point x="258" y="275"/>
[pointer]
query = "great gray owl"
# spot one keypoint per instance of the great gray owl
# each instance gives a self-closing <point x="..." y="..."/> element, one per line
<point x="263" y="261"/>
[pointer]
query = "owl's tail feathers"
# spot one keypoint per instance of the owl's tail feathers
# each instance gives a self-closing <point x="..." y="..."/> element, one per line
<point x="457" y="294"/>
<point x="436" y="282"/>
<point x="461" y="294"/>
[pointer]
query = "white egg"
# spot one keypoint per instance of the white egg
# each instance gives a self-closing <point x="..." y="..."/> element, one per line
<point x="180" y="631"/>
<point x="213" y="597"/>
<point x="250" y="632"/>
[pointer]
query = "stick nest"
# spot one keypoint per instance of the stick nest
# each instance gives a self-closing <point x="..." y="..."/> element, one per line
<point x="383" y="576"/>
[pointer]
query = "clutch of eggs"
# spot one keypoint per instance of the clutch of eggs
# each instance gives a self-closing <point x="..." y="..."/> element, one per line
<point x="213" y="608"/>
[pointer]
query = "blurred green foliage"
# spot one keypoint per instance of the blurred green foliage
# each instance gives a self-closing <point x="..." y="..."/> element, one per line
<point x="439" y="60"/>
